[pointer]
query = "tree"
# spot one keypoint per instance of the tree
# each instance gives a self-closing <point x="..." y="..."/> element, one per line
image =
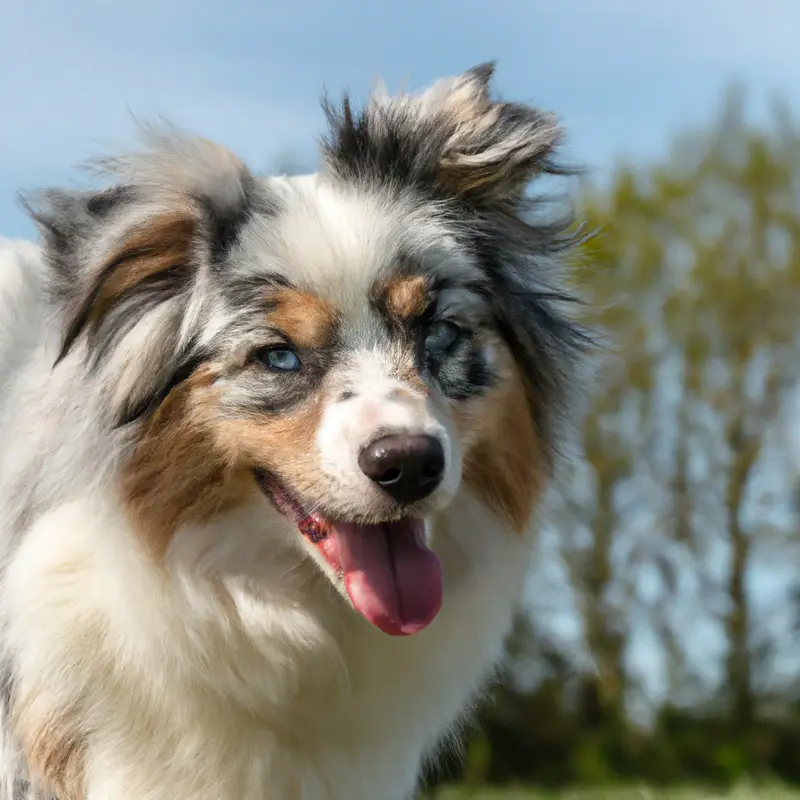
<point x="676" y="525"/>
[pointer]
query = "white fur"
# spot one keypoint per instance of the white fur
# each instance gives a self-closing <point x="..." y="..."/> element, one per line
<point x="380" y="405"/>
<point x="340" y="239"/>
<point x="237" y="673"/>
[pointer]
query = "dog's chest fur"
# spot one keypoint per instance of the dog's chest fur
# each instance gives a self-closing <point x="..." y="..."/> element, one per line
<point x="201" y="690"/>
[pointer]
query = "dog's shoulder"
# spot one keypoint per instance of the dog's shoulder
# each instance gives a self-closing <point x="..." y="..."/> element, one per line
<point x="19" y="253"/>
<point x="23" y="276"/>
<point x="22" y="268"/>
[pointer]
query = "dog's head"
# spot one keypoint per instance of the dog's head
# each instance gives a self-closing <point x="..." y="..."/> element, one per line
<point x="359" y="345"/>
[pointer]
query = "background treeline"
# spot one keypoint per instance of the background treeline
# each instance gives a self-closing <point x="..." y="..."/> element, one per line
<point x="660" y="639"/>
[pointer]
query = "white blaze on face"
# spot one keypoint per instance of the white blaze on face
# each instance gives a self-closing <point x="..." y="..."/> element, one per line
<point x="388" y="570"/>
<point x="370" y="403"/>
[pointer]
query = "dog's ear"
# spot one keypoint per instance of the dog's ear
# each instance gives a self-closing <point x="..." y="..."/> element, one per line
<point x="126" y="262"/>
<point x="491" y="149"/>
<point x="454" y="137"/>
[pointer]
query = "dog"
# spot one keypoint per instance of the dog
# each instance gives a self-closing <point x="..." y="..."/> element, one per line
<point x="273" y="452"/>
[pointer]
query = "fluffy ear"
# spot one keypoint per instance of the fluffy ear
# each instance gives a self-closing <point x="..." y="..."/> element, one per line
<point x="453" y="137"/>
<point x="125" y="262"/>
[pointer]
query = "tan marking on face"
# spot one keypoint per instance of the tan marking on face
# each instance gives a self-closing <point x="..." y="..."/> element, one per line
<point x="162" y="245"/>
<point x="506" y="467"/>
<point x="305" y="318"/>
<point x="54" y="750"/>
<point x="406" y="296"/>
<point x="283" y="444"/>
<point x="180" y="471"/>
<point x="191" y="463"/>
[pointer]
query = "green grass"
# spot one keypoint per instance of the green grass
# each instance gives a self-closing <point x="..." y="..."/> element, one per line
<point x="632" y="793"/>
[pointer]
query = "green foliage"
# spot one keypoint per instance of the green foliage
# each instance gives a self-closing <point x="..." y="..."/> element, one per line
<point x="687" y="479"/>
<point x="744" y="792"/>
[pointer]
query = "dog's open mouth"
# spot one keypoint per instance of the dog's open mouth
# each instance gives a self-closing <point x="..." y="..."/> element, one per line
<point x="392" y="577"/>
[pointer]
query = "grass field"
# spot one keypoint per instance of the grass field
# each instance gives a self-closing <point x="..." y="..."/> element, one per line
<point x="644" y="793"/>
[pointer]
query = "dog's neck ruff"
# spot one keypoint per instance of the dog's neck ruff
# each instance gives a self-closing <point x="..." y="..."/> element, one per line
<point x="254" y="692"/>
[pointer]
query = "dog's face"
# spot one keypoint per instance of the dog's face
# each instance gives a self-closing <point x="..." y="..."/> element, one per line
<point x="359" y="345"/>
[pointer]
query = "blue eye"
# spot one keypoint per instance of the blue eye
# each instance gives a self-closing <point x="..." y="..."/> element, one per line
<point x="280" y="359"/>
<point x="441" y="336"/>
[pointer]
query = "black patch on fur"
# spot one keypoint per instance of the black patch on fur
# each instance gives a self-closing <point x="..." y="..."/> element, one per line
<point x="542" y="341"/>
<point x="384" y="147"/>
<point x="462" y="372"/>
<point x="130" y="306"/>
<point x="387" y="144"/>
<point x="64" y="222"/>
<point x="225" y="223"/>
<point x="392" y="144"/>
<point x="181" y="372"/>
<point x="252" y="290"/>
<point x="102" y="203"/>
<point x="225" y="226"/>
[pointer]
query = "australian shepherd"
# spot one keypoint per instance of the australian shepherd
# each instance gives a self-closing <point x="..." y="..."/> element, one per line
<point x="272" y="450"/>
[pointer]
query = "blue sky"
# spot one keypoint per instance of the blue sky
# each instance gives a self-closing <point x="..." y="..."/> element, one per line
<point x="623" y="74"/>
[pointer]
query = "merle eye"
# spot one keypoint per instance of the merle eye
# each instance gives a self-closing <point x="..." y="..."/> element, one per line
<point x="441" y="336"/>
<point x="279" y="359"/>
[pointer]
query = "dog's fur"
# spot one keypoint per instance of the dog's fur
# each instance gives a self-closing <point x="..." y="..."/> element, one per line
<point x="167" y="634"/>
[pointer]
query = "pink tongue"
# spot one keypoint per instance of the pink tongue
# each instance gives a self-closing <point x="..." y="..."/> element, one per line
<point x="393" y="579"/>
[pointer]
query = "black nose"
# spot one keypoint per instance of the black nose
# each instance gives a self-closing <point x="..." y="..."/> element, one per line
<point x="408" y="468"/>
